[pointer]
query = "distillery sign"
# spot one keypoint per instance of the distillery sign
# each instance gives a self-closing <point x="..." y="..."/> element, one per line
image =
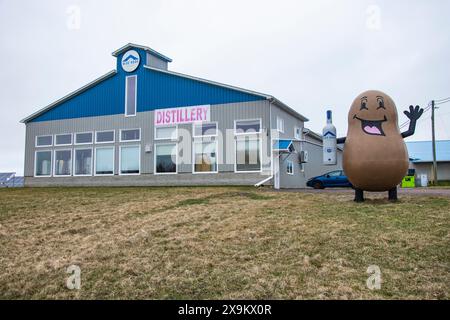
<point x="182" y="115"/>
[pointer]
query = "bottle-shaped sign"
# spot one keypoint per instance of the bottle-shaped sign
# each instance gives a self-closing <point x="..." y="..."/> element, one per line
<point x="329" y="142"/>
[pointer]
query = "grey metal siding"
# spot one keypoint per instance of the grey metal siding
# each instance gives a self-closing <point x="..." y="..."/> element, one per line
<point x="443" y="170"/>
<point x="224" y="114"/>
<point x="296" y="180"/>
<point x="156" y="62"/>
<point x="315" y="166"/>
<point x="290" y="122"/>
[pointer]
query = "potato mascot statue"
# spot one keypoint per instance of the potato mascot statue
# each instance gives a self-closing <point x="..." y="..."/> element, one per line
<point x="375" y="155"/>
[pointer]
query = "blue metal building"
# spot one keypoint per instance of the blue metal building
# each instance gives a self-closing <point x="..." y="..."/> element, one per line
<point x="143" y="124"/>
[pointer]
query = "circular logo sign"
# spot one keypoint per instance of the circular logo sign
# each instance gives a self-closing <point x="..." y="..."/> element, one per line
<point x="130" y="61"/>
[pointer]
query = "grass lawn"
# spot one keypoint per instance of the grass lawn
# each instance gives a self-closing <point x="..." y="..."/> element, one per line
<point x="220" y="243"/>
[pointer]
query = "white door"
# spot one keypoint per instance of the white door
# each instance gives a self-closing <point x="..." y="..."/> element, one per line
<point x="276" y="170"/>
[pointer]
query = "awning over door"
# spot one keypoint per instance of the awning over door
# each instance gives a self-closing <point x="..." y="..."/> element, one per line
<point x="283" y="146"/>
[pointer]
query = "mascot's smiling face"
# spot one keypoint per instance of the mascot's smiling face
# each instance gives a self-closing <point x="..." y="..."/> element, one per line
<point x="373" y="113"/>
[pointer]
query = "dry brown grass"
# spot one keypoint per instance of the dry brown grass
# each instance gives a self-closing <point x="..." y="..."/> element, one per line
<point x="220" y="243"/>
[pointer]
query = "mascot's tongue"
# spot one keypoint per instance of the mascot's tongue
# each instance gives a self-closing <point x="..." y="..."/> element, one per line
<point x="372" y="129"/>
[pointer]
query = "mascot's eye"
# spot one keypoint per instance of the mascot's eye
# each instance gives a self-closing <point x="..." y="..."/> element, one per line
<point x="364" y="104"/>
<point x="380" y="103"/>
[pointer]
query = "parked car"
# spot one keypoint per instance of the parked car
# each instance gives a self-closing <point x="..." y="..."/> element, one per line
<point x="331" y="179"/>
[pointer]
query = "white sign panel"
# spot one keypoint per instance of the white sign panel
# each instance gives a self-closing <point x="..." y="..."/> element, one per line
<point x="130" y="60"/>
<point x="182" y="115"/>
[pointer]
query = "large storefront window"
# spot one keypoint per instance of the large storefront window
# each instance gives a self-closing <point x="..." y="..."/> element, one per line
<point x="205" y="156"/>
<point x="104" y="161"/>
<point x="130" y="158"/>
<point x="166" y="158"/>
<point x="83" y="162"/>
<point x="169" y="132"/>
<point x="244" y="127"/>
<point x="63" y="162"/>
<point x="248" y="155"/>
<point x="43" y="164"/>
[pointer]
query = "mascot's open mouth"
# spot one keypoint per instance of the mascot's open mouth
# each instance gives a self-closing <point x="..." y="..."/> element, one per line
<point x="372" y="127"/>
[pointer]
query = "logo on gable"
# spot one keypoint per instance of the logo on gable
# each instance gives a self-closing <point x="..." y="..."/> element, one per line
<point x="130" y="61"/>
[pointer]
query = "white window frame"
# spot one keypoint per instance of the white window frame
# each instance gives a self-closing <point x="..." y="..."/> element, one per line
<point x="51" y="163"/>
<point x="54" y="163"/>
<point x="135" y="96"/>
<point x="201" y="123"/>
<point x="131" y="129"/>
<point x="166" y="126"/>
<point x="295" y="133"/>
<point x="63" y="134"/>
<point x="106" y="142"/>
<point x="75" y="158"/>
<point x="83" y="143"/>
<point x="176" y="158"/>
<point x="193" y="157"/>
<point x="45" y="146"/>
<point x="120" y="160"/>
<point x="248" y="133"/>
<point x="287" y="167"/>
<point x="260" y="155"/>
<point x="113" y="162"/>
<point x="280" y="120"/>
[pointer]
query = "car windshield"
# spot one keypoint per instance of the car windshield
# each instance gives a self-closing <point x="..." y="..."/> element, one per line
<point x="334" y="174"/>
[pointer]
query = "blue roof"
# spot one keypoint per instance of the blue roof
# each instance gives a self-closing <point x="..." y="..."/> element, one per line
<point x="422" y="151"/>
<point x="282" y="145"/>
<point x="157" y="89"/>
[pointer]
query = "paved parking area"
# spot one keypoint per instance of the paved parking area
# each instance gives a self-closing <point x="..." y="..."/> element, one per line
<point x="440" y="192"/>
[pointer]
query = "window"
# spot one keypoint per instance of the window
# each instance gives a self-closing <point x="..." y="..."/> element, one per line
<point x="247" y="127"/>
<point x="104" y="136"/>
<point x="334" y="174"/>
<point x="83" y="162"/>
<point x="280" y="124"/>
<point x="162" y="133"/>
<point x="205" y="156"/>
<point x="290" y="167"/>
<point x="63" y="163"/>
<point x="63" y="139"/>
<point x="130" y="95"/>
<point x="130" y="135"/>
<point x="44" y="141"/>
<point x="298" y="133"/>
<point x="43" y="164"/>
<point x="205" y="129"/>
<point x="130" y="160"/>
<point x="83" y="138"/>
<point x="166" y="158"/>
<point x="104" y="161"/>
<point x="248" y="158"/>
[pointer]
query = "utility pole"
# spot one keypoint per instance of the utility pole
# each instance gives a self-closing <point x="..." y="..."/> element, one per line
<point x="434" y="144"/>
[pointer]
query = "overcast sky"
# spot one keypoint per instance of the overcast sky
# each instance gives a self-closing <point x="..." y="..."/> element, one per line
<point x="312" y="55"/>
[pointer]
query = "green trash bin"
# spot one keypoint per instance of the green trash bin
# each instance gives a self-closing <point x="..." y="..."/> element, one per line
<point x="409" y="182"/>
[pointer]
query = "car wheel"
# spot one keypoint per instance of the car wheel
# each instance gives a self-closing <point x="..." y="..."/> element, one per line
<point x="318" y="185"/>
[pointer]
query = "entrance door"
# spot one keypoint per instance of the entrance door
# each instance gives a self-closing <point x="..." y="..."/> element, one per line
<point x="276" y="170"/>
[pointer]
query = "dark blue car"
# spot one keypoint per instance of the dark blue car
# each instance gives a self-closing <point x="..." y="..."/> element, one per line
<point x="332" y="179"/>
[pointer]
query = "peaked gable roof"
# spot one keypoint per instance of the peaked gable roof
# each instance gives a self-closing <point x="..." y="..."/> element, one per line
<point x="106" y="95"/>
<point x="147" y="49"/>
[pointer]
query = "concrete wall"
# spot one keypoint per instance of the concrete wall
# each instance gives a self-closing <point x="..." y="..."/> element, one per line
<point x="224" y="114"/>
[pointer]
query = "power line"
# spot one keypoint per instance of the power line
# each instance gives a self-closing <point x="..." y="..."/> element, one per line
<point x="442" y="102"/>
<point x="404" y="124"/>
<point x="442" y="99"/>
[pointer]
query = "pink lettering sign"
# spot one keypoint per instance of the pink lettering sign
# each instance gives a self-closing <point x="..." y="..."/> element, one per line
<point x="182" y="115"/>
